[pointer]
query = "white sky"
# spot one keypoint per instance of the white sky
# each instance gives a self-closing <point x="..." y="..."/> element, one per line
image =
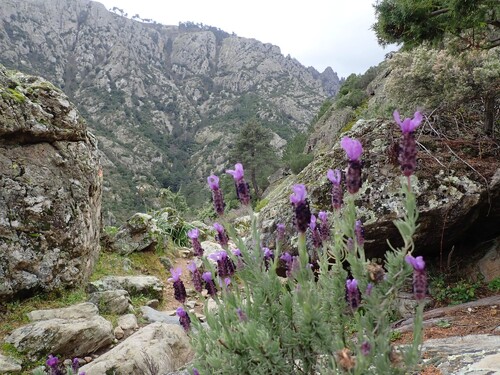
<point x="317" y="33"/>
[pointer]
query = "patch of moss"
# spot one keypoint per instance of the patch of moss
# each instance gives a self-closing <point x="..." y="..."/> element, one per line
<point x="14" y="94"/>
<point x="11" y="351"/>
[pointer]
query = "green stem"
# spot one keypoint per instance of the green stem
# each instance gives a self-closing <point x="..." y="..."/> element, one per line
<point x="304" y="258"/>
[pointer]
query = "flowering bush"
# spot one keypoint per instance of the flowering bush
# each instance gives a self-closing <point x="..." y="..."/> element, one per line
<point x="331" y="314"/>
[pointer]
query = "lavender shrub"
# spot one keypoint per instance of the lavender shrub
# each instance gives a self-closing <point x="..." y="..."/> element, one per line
<point x="335" y="320"/>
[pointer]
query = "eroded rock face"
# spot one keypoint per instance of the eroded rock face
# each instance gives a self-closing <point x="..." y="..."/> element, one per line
<point x="50" y="183"/>
<point x="455" y="202"/>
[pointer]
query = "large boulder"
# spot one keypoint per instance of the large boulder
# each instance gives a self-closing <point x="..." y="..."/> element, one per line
<point x="158" y="345"/>
<point x="457" y="190"/>
<point x="50" y="183"/>
<point x="74" y="332"/>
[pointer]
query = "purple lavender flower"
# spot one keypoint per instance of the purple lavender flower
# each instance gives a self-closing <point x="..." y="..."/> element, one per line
<point x="221" y="236"/>
<point x="335" y="177"/>
<point x="193" y="234"/>
<point x="324" y="228"/>
<point x="213" y="183"/>
<point x="280" y="232"/>
<point x="353" y="149"/>
<point x="359" y="232"/>
<point x="316" y="236"/>
<point x="225" y="265"/>
<point x="419" y="276"/>
<point x="288" y="259"/>
<point x="52" y="362"/>
<point x="408" y="125"/>
<point x="241" y="315"/>
<point x="407" y="147"/>
<point x="179" y="289"/>
<point x="353" y="295"/>
<point x="366" y="348"/>
<point x="268" y="257"/>
<point x="195" y="276"/>
<point x="209" y="283"/>
<point x="301" y="205"/>
<point x="184" y="319"/>
<point x="224" y="283"/>
<point x="75" y="365"/>
<point x="195" y="371"/>
<point x="242" y="188"/>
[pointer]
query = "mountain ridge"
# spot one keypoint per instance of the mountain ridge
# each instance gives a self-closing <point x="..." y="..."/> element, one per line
<point x="164" y="101"/>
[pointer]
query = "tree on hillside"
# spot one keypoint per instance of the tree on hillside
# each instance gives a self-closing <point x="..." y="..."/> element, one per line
<point x="464" y="26"/>
<point x="470" y="23"/>
<point x="253" y="149"/>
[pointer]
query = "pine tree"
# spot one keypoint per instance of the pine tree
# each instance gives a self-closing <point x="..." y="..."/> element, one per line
<point x="253" y="149"/>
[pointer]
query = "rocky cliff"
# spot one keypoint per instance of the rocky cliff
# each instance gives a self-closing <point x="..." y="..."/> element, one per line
<point x="457" y="181"/>
<point x="50" y="189"/>
<point x="164" y="101"/>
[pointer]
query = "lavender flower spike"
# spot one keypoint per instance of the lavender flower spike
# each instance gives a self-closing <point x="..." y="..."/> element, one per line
<point x="302" y="211"/>
<point x="52" y="361"/>
<point x="419" y="276"/>
<point x="193" y="234"/>
<point x="324" y="228"/>
<point x="359" y="231"/>
<point x="209" y="283"/>
<point x="335" y="178"/>
<point x="353" y="149"/>
<point x="179" y="289"/>
<point x="195" y="277"/>
<point x="316" y="236"/>
<point x="221" y="235"/>
<point x="184" y="319"/>
<point x="268" y="257"/>
<point x="353" y="295"/>
<point x="242" y="190"/>
<point x="75" y="365"/>
<point x="408" y="125"/>
<point x="213" y="183"/>
<point x="407" y="147"/>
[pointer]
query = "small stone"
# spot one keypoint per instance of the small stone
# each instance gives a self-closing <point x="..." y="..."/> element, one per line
<point x="119" y="334"/>
<point x="88" y="359"/>
<point x="154" y="303"/>
<point x="201" y="317"/>
<point x="191" y="304"/>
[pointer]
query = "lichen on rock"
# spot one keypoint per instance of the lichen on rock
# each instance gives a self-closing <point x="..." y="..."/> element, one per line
<point x="51" y="189"/>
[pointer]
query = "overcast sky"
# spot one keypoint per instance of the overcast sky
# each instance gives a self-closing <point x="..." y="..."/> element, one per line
<point x="317" y="33"/>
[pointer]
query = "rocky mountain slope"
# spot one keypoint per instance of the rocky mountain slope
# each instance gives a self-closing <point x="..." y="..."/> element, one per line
<point x="164" y="101"/>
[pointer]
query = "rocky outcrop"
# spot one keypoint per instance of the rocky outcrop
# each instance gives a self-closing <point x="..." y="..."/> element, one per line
<point x="455" y="200"/>
<point x="163" y="346"/>
<point x="468" y="355"/>
<point x="50" y="183"/>
<point x="73" y="331"/>
<point x="135" y="285"/>
<point x="152" y="92"/>
<point x="116" y="301"/>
